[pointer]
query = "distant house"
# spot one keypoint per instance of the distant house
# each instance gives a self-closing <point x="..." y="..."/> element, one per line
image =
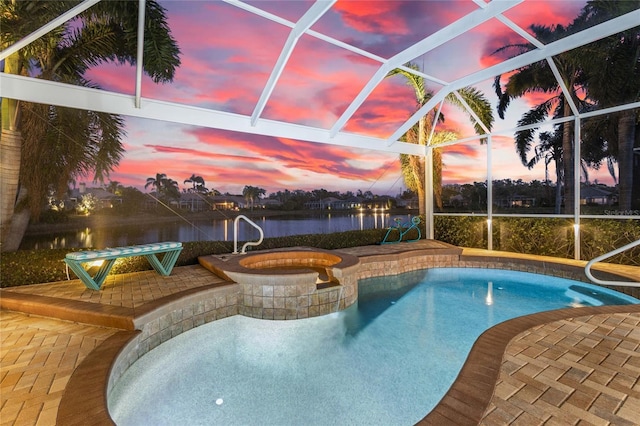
<point x="151" y="201"/>
<point x="270" y="203"/>
<point x="332" y="203"/>
<point x="194" y="202"/>
<point x="105" y="199"/>
<point x="329" y="203"/>
<point x="515" y="200"/>
<point x="381" y="202"/>
<point x="228" y="202"/>
<point x="154" y="200"/>
<point x="410" y="203"/>
<point x="598" y="195"/>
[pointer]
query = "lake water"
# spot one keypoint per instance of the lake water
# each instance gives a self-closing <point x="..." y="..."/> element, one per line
<point x="209" y="230"/>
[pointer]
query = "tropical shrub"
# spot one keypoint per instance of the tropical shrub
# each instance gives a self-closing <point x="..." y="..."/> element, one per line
<point x="600" y="236"/>
<point x="463" y="231"/>
<point x="544" y="236"/>
<point x="25" y="267"/>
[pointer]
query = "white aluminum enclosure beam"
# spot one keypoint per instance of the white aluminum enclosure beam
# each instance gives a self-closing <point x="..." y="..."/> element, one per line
<point x="23" y="88"/>
<point x="70" y="14"/>
<point x="325" y="38"/>
<point x="260" y="12"/>
<point x="611" y="110"/>
<point x="314" y="13"/>
<point x="438" y="38"/>
<point x="471" y="112"/>
<point x="518" y="30"/>
<point x="565" y="90"/>
<point x="573" y="41"/>
<point x="54" y="93"/>
<point x="435" y="123"/>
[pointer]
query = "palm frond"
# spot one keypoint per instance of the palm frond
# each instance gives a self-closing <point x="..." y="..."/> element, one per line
<point x="525" y="138"/>
<point x="480" y="105"/>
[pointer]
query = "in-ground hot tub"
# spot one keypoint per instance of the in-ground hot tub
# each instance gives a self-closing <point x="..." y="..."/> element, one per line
<point x="292" y="283"/>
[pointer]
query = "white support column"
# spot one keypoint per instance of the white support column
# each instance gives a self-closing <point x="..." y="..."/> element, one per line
<point x="428" y="192"/>
<point x="576" y="185"/>
<point x="489" y="195"/>
<point x="139" y="53"/>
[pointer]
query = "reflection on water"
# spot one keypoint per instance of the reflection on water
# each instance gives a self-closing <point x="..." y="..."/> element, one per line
<point x="207" y="230"/>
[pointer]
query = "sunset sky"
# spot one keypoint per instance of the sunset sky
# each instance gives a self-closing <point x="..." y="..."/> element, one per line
<point x="227" y="57"/>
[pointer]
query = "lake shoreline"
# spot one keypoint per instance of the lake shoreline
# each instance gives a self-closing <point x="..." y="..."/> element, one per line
<point x="101" y="221"/>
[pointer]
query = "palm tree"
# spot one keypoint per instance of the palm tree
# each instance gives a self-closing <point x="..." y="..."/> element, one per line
<point x="171" y="189"/>
<point x="197" y="182"/>
<point x="538" y="78"/>
<point x="156" y="182"/>
<point x="412" y="166"/>
<point x="250" y="193"/>
<point x="413" y="171"/>
<point x="550" y="150"/>
<point x="70" y="142"/>
<point x="164" y="186"/>
<point x="114" y="187"/>
<point x="613" y="78"/>
<point x="61" y="145"/>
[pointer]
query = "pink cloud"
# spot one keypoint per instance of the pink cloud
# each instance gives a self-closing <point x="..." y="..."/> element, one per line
<point x="290" y="10"/>
<point x="370" y="17"/>
<point x="114" y="77"/>
<point x="388" y="106"/>
<point x="275" y="164"/>
<point x="218" y="173"/>
<point x="317" y="77"/>
<point x="464" y="150"/>
<point x="545" y="12"/>
<point x="386" y="28"/>
<point x="498" y="39"/>
<point x="220" y="69"/>
<point x="289" y="154"/>
<point x="195" y="153"/>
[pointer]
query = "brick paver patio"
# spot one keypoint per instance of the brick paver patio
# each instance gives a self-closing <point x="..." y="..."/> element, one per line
<point x="582" y="370"/>
<point x="37" y="357"/>
<point x="568" y="371"/>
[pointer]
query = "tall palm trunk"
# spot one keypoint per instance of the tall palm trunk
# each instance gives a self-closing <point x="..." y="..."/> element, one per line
<point x="422" y="140"/>
<point x="567" y="158"/>
<point x="10" y="150"/>
<point x="558" y="193"/>
<point x="417" y="169"/>
<point x="437" y="177"/>
<point x="10" y="158"/>
<point x="626" y="138"/>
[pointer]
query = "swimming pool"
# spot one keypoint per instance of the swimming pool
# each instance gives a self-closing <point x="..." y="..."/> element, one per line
<point x="387" y="360"/>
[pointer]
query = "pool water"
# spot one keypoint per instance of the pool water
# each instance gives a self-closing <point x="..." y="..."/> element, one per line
<point x="387" y="360"/>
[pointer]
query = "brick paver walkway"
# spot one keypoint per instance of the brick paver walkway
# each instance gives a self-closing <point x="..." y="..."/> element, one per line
<point x="37" y="357"/>
<point x="126" y="290"/>
<point x="566" y="372"/>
